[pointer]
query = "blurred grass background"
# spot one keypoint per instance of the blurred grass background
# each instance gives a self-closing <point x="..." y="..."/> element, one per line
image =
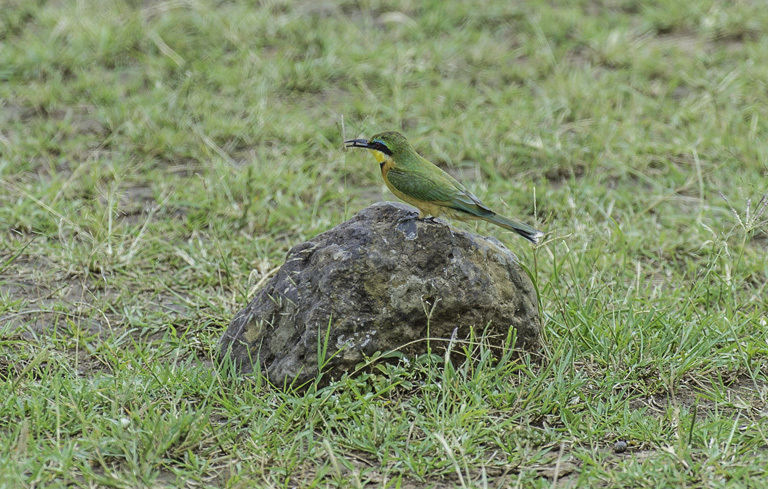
<point x="158" y="159"/>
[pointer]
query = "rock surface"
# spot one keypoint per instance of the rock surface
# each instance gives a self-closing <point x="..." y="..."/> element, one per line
<point x="373" y="279"/>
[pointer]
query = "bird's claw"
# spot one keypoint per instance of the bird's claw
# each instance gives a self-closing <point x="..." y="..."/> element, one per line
<point x="417" y="217"/>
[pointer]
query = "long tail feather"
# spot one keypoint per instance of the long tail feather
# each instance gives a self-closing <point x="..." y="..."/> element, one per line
<point x="523" y="230"/>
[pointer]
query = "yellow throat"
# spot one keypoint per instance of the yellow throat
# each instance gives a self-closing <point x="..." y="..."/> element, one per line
<point x="385" y="161"/>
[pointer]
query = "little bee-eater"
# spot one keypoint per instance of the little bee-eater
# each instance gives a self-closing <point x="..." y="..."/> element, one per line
<point x="434" y="192"/>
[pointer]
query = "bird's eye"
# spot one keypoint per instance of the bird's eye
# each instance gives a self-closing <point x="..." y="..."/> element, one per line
<point x="380" y="145"/>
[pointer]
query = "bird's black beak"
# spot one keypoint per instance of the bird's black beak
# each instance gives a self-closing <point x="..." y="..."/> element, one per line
<point x="357" y="143"/>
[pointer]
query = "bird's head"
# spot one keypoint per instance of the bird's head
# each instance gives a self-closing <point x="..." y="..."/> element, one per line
<point x="384" y="146"/>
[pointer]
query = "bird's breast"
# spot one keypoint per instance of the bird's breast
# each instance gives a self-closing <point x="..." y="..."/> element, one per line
<point x="385" y="161"/>
<point x="386" y="164"/>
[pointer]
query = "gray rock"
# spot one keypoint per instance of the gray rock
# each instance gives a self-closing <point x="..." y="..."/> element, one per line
<point x="373" y="279"/>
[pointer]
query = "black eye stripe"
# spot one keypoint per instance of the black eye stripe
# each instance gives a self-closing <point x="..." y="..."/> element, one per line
<point x="378" y="146"/>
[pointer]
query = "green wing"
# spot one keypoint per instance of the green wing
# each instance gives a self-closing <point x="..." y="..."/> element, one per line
<point x="441" y="189"/>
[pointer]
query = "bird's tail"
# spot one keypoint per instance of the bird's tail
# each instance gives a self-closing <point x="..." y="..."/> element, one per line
<point x="523" y="230"/>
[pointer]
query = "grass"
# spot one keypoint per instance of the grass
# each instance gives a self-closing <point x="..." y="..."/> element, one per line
<point x="158" y="159"/>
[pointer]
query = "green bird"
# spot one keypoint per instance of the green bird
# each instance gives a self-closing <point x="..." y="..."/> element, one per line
<point x="434" y="192"/>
